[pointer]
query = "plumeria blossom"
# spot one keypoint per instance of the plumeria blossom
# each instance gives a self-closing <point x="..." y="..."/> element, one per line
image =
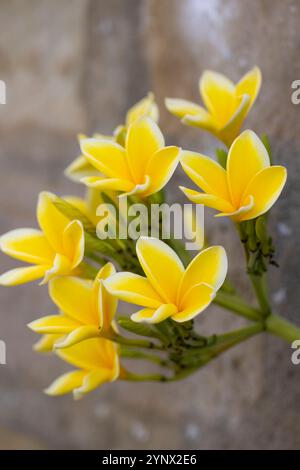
<point x="146" y="107"/>
<point x="247" y="188"/>
<point x="170" y="290"/>
<point x="227" y="104"/>
<point x="143" y="167"/>
<point x="56" y="249"/>
<point x="96" y="361"/>
<point x="87" y="309"/>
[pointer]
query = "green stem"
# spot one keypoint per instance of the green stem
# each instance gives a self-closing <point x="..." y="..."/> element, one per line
<point x="136" y="343"/>
<point x="143" y="378"/>
<point x="237" y="305"/>
<point x="282" y="328"/>
<point x="260" y="286"/>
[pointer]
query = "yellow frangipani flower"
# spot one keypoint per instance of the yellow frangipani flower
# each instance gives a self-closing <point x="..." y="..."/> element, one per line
<point x="46" y="343"/>
<point x="169" y="290"/>
<point x="56" y="249"/>
<point x="227" y="104"/>
<point x="143" y="167"/>
<point x="246" y="189"/>
<point x="87" y="309"/>
<point x="97" y="362"/>
<point x="146" y="107"/>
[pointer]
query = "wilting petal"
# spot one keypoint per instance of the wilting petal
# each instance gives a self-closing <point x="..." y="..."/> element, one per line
<point x="218" y="94"/>
<point x="207" y="200"/>
<point x="161" y="265"/>
<point x="146" y="107"/>
<point x="77" y="335"/>
<point x="105" y="184"/>
<point x="107" y="156"/>
<point x="74" y="297"/>
<point x="194" y="302"/>
<point x="148" y="315"/>
<point x="80" y="168"/>
<point x="27" y="245"/>
<point x="73" y="242"/>
<point x="134" y="289"/>
<point x="143" y="139"/>
<point x="161" y="168"/>
<point x="21" y="275"/>
<point x="250" y="84"/>
<point x="45" y="343"/>
<point x="53" y="324"/>
<point x="246" y="157"/>
<point x="66" y="383"/>
<point x="265" y="188"/>
<point x="93" y="380"/>
<point x="181" y="108"/>
<point x="209" y="267"/>
<point x="51" y="220"/>
<point x="206" y="173"/>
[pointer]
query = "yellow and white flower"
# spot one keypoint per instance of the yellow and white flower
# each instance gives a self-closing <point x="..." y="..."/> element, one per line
<point x="146" y="107"/>
<point x="96" y="361"/>
<point x="143" y="167"/>
<point x="56" y="249"/>
<point x="87" y="309"/>
<point x="170" y="290"/>
<point x="246" y="189"/>
<point x="227" y="104"/>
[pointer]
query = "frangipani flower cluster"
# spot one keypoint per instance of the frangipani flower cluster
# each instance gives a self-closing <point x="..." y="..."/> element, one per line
<point x="86" y="276"/>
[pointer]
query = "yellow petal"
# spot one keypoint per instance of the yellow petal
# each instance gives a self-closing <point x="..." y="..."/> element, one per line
<point x="21" y="275"/>
<point x="235" y="215"/>
<point x="246" y="157"/>
<point x="80" y="168"/>
<point x="181" y="108"/>
<point x="207" y="200"/>
<point x="73" y="242"/>
<point x="108" y="157"/>
<point x="107" y="184"/>
<point x="250" y="84"/>
<point x="61" y="267"/>
<point x="206" y="173"/>
<point x="161" y="168"/>
<point x="194" y="302"/>
<point x="92" y="354"/>
<point x="105" y="303"/>
<point x="74" y="297"/>
<point x="143" y="139"/>
<point x="140" y="188"/>
<point x="134" y="289"/>
<point x="204" y="120"/>
<point x="148" y="315"/>
<point x="218" y="94"/>
<point x="144" y="107"/>
<point x="53" y="324"/>
<point x="232" y="128"/>
<point x="51" y="220"/>
<point x="27" y="245"/>
<point x="208" y="267"/>
<point x="91" y="381"/>
<point x="265" y="188"/>
<point x="161" y="265"/>
<point x="66" y="383"/>
<point x="46" y="343"/>
<point x="77" y="335"/>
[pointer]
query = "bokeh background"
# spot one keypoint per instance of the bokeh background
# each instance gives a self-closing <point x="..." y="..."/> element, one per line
<point x="76" y="67"/>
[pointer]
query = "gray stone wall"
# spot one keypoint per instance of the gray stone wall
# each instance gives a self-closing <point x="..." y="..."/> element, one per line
<point x="76" y="67"/>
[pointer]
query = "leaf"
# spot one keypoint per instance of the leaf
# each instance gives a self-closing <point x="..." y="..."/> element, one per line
<point x="140" y="329"/>
<point x="266" y="142"/>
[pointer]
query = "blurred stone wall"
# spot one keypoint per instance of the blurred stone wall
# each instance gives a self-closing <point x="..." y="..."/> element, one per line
<point x="78" y="66"/>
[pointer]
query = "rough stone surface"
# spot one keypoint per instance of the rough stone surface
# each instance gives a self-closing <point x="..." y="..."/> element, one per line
<point x="71" y="68"/>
